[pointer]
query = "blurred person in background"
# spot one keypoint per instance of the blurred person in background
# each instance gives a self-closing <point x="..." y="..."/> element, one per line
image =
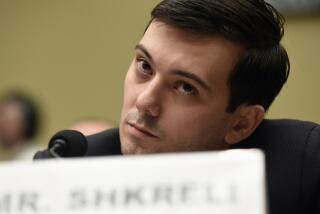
<point x="91" y="126"/>
<point x="19" y="122"/>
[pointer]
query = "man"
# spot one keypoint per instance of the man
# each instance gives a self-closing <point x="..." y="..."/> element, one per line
<point x="203" y="76"/>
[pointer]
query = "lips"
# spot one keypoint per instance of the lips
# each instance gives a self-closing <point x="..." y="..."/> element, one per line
<point x="141" y="131"/>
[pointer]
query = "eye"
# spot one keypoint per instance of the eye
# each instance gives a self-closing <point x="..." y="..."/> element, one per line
<point x="144" y="67"/>
<point x="186" y="88"/>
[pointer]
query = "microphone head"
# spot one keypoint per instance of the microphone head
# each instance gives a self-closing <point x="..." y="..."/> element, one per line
<point x="75" y="143"/>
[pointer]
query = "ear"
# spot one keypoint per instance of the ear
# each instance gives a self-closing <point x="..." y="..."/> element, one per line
<point x="246" y="119"/>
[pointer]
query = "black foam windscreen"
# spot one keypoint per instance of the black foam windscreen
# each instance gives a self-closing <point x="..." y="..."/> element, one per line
<point x="75" y="143"/>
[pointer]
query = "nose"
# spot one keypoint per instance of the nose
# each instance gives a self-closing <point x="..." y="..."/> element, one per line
<point x="149" y="100"/>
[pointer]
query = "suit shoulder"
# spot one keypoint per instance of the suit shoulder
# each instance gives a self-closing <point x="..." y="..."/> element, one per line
<point x="104" y="143"/>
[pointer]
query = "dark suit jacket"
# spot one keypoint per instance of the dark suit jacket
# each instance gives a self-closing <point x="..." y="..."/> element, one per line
<point x="292" y="151"/>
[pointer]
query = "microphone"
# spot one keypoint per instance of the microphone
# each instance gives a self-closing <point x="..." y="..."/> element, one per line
<point x="67" y="143"/>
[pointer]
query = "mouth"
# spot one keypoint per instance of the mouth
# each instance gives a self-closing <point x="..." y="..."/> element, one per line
<point x="141" y="131"/>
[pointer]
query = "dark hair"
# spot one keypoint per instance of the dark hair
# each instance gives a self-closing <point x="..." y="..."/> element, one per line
<point x="29" y="111"/>
<point x="264" y="66"/>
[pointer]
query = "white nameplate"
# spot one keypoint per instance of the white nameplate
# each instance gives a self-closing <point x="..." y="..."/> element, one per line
<point x="198" y="183"/>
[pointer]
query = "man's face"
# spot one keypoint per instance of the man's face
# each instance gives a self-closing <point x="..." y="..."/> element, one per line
<point x="11" y="124"/>
<point x="176" y="92"/>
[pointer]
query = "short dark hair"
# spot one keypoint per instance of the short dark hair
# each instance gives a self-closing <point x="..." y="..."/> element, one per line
<point x="264" y="66"/>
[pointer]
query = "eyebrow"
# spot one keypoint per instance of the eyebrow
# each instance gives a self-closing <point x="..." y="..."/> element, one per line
<point x="144" y="50"/>
<point x="193" y="77"/>
<point x="185" y="74"/>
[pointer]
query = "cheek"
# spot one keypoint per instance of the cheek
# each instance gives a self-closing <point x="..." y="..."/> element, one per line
<point x="129" y="88"/>
<point x="180" y="120"/>
<point x="196" y="123"/>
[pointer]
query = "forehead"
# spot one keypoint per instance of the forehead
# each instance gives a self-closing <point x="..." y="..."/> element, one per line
<point x="204" y="55"/>
<point x="9" y="108"/>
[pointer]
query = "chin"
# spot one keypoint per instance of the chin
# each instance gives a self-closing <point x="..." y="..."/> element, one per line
<point x="130" y="148"/>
